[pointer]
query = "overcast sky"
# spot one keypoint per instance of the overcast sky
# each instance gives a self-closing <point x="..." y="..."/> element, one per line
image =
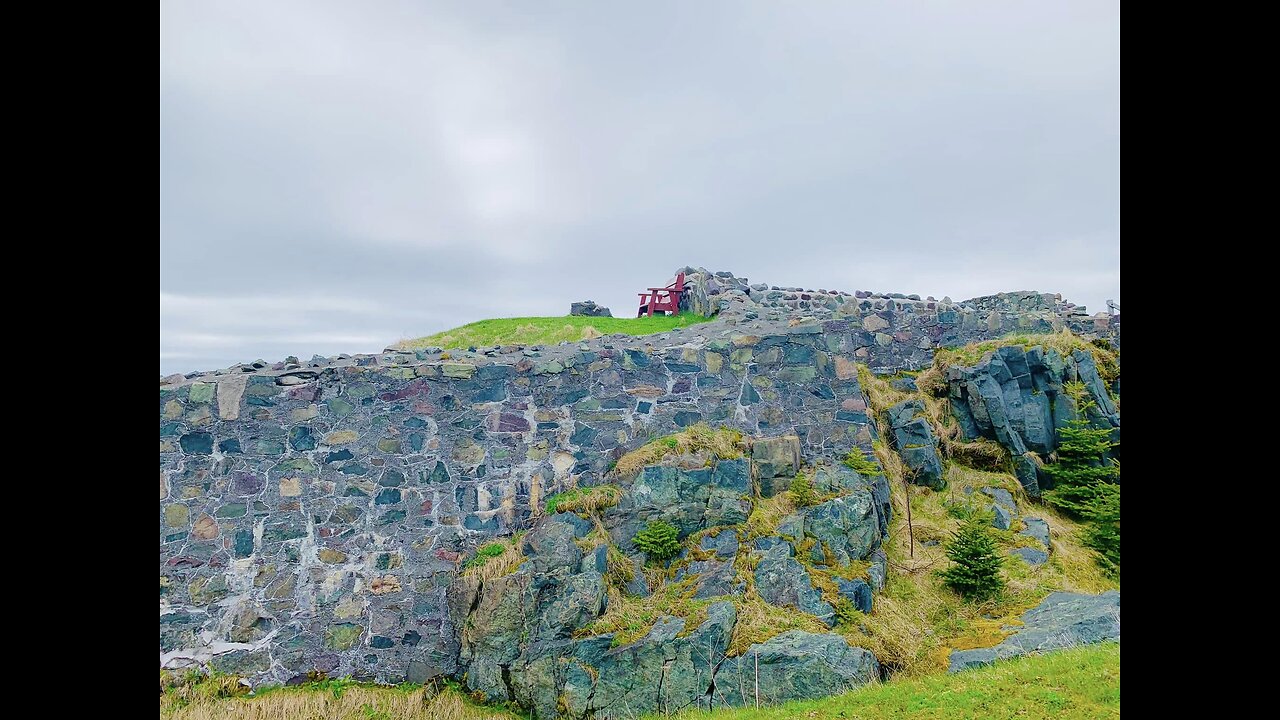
<point x="335" y="176"/>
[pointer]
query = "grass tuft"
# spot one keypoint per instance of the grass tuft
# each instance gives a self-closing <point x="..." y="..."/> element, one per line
<point x="496" y="559"/>
<point x="584" y="501"/>
<point x="699" y="439"/>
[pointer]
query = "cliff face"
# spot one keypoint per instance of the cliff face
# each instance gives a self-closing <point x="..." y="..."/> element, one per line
<point x="314" y="516"/>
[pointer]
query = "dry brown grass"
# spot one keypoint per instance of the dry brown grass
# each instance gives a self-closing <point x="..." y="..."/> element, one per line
<point x="509" y="561"/>
<point x="696" y="440"/>
<point x="767" y="513"/>
<point x="348" y="703"/>
<point x="584" y="501"/>
<point x="917" y="620"/>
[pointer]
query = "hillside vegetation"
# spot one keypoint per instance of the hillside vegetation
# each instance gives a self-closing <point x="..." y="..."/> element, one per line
<point x="547" y="330"/>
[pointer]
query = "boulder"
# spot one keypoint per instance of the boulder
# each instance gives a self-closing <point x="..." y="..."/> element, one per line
<point x="1031" y="556"/>
<point x="847" y="527"/>
<point x="857" y="592"/>
<point x="795" y="665"/>
<point x="1039" y="529"/>
<point x="589" y="308"/>
<point x="916" y="443"/>
<point x="782" y="581"/>
<point x="659" y="673"/>
<point x="1061" y="620"/>
<point x="774" y="462"/>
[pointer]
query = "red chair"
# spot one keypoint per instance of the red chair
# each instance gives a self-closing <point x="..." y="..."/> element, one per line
<point x="662" y="298"/>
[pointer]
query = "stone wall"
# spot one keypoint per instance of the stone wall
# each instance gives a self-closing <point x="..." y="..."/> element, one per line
<point x="313" y="514"/>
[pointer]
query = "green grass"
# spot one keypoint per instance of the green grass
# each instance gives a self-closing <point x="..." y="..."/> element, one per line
<point x="547" y="330"/>
<point x="1078" y="684"/>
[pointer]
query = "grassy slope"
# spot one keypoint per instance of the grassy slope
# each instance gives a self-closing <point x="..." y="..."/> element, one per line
<point x="547" y="330"/>
<point x="1077" y="684"/>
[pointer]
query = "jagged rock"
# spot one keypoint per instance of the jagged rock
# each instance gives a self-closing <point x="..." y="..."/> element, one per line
<point x="660" y="673"/>
<point x="857" y="591"/>
<point x="1015" y="397"/>
<point x="689" y="499"/>
<point x="1000" y="517"/>
<point x="782" y="581"/>
<point x="1032" y="556"/>
<point x="878" y="569"/>
<point x="1061" y="620"/>
<point x="1037" y="528"/>
<point x="774" y="461"/>
<point x="589" y="308"/>
<point x="724" y="544"/>
<point x="916" y="443"/>
<point x="795" y="665"/>
<point x="845" y="528"/>
<point x="715" y="578"/>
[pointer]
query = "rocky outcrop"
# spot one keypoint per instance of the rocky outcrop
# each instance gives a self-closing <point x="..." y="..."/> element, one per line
<point x="1015" y="396"/>
<point x="795" y="665"/>
<point x="1061" y="620"/>
<point x="589" y="308"/>
<point x="916" y="444"/>
<point x="526" y="637"/>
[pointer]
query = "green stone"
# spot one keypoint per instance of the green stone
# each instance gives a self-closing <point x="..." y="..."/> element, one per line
<point x="231" y="510"/>
<point x="389" y="445"/>
<point x="797" y="374"/>
<point x="459" y="371"/>
<point x="360" y="391"/>
<point x="201" y="393"/>
<point x="339" y="407"/>
<point x="243" y="544"/>
<point x="176" y="515"/>
<point x="342" y="636"/>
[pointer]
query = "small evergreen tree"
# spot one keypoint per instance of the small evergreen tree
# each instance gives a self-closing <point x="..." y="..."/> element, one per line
<point x="976" y="573"/>
<point x="658" y="540"/>
<point x="1083" y="465"/>
<point x="802" y="492"/>
<point x="1086" y="481"/>
<point x="1103" y="531"/>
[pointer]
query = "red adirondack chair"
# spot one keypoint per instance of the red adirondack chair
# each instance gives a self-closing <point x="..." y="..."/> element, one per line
<point x="662" y="298"/>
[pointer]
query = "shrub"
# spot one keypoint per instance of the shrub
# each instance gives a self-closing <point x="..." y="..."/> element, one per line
<point x="858" y="461"/>
<point x="976" y="572"/>
<point x="485" y="554"/>
<point x="802" y="492"/>
<point x="658" y="540"/>
<point x="1086" y="481"/>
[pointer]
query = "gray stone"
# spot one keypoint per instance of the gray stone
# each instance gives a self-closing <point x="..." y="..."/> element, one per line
<point x="795" y="665"/>
<point x="1038" y="529"/>
<point x="917" y="444"/>
<point x="1060" y="620"/>
<point x="782" y="581"/>
<point x="589" y="308"/>
<point x="846" y="528"/>
<point x="1031" y="556"/>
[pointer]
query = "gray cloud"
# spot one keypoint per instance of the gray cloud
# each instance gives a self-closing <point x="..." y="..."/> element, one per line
<point x="336" y="176"/>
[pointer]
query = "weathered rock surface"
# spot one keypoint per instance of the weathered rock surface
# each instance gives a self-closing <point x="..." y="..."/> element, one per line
<point x="1015" y="397"/>
<point x="1061" y="620"/>
<point x="916" y="443"/>
<point x="774" y="462"/>
<point x="795" y="665"/>
<point x="781" y="580"/>
<point x="589" y="308"/>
